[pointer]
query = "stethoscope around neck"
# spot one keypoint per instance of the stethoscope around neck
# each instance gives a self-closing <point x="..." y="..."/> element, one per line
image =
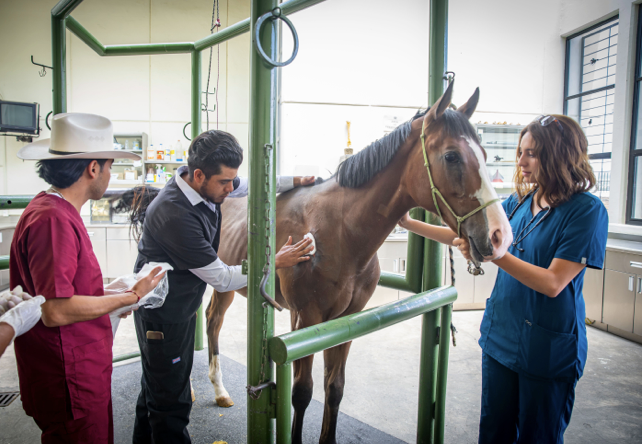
<point x="521" y="236"/>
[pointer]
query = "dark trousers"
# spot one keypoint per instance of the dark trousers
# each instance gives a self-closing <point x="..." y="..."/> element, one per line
<point x="522" y="410"/>
<point x="165" y="402"/>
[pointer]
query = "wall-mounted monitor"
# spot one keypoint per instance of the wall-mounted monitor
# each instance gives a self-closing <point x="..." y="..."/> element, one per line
<point x="19" y="117"/>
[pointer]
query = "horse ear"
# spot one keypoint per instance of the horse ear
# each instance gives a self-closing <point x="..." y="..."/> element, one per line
<point x="469" y="107"/>
<point x="442" y="104"/>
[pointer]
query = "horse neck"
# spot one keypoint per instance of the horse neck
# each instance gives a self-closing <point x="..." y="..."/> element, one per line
<point x="372" y="211"/>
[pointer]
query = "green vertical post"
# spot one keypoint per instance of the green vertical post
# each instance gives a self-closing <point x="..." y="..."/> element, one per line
<point x="196" y="130"/>
<point x="284" y="403"/>
<point x="442" y="374"/>
<point x="59" y="64"/>
<point x="433" y="260"/>
<point x="59" y="14"/>
<point x="263" y="107"/>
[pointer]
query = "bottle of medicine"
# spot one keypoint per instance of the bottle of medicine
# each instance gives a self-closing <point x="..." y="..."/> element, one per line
<point x="178" y="149"/>
<point x="168" y="153"/>
<point x="160" y="153"/>
<point x="151" y="152"/>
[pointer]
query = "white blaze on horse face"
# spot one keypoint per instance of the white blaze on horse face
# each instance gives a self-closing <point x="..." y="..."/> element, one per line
<point x="217" y="378"/>
<point x="499" y="229"/>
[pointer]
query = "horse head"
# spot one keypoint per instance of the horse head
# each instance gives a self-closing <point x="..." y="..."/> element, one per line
<point x="450" y="165"/>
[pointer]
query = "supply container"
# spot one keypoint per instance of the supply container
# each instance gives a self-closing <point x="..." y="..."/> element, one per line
<point x="178" y="148"/>
<point x="160" y="153"/>
<point x="151" y="152"/>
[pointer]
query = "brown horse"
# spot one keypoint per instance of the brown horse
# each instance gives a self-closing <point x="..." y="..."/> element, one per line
<point x="350" y="216"/>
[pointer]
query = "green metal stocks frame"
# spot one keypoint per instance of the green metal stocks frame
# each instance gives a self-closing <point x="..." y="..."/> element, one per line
<point x="424" y="263"/>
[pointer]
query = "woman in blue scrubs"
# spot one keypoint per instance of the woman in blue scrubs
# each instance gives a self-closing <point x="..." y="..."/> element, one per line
<point x="533" y="335"/>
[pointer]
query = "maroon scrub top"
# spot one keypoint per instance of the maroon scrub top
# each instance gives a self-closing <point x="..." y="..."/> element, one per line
<point x="65" y="372"/>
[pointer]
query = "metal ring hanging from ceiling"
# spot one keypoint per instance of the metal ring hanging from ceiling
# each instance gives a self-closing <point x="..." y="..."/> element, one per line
<point x="273" y="15"/>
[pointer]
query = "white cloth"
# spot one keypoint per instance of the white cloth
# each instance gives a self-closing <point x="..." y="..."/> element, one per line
<point x="218" y="274"/>
<point x="24" y="316"/>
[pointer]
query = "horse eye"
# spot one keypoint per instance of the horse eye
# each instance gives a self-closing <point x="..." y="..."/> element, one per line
<point x="452" y="157"/>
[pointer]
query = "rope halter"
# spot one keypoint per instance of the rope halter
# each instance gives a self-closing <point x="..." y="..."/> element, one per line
<point x="435" y="192"/>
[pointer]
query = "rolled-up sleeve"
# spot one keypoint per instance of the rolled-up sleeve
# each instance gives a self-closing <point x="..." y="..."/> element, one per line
<point x="221" y="276"/>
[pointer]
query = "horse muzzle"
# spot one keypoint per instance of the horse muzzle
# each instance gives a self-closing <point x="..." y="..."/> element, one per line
<point x="489" y="234"/>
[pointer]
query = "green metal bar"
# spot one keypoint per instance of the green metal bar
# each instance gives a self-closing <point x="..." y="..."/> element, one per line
<point x="196" y="130"/>
<point x="59" y="64"/>
<point x="438" y="50"/>
<point x="260" y="319"/>
<point x="300" y="343"/>
<point x="442" y="374"/>
<point x="284" y="404"/>
<point x="125" y="357"/>
<point x="15" y="202"/>
<point x="4" y="262"/>
<point x="433" y="262"/>
<point x="223" y="35"/>
<point x="149" y="49"/>
<point x="243" y="26"/>
<point x="414" y="263"/>
<point x="64" y="7"/>
<point x="84" y="35"/>
<point x="126" y="50"/>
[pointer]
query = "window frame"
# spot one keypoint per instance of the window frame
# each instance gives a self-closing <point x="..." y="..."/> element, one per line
<point x="567" y="59"/>
<point x="633" y="152"/>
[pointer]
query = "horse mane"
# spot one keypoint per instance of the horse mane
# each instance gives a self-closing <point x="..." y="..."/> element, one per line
<point x="135" y="201"/>
<point x="360" y="168"/>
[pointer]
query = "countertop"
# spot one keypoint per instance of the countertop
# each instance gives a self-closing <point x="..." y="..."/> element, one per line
<point x="625" y="246"/>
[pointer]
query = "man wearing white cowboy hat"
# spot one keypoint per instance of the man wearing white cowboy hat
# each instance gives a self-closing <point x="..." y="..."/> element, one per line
<point x="65" y="361"/>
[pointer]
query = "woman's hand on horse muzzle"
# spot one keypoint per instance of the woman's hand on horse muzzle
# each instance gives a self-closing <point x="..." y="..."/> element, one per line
<point x="290" y="255"/>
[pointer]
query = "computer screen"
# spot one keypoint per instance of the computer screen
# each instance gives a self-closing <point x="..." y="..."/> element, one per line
<point x="18" y="117"/>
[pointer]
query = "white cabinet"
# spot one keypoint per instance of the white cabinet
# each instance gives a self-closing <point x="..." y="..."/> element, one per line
<point x="121" y="252"/>
<point x="97" y="237"/>
<point x="472" y="291"/>
<point x="115" y="251"/>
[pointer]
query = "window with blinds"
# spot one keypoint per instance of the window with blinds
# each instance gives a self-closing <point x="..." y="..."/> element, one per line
<point x="588" y="94"/>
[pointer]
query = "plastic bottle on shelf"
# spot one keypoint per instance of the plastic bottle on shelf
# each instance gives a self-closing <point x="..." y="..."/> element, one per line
<point x="127" y="144"/>
<point x="168" y="153"/>
<point x="150" y="175"/>
<point x="172" y="155"/>
<point x="178" y="149"/>
<point x="160" y="153"/>
<point x="151" y="152"/>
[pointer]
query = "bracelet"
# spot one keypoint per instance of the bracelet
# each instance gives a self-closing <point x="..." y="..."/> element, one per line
<point x="137" y="295"/>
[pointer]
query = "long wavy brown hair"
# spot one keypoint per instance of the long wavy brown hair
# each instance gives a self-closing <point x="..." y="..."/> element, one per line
<point x="564" y="167"/>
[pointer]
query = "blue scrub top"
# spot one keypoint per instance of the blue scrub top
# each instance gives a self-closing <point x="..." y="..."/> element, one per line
<point x="527" y="331"/>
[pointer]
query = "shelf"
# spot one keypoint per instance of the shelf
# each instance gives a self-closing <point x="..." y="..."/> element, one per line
<point x="116" y="182"/>
<point x="123" y="164"/>
<point x="499" y="146"/>
<point x="509" y="163"/>
<point x="166" y="162"/>
<point x="499" y="128"/>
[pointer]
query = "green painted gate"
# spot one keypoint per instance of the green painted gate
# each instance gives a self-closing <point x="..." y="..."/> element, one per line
<point x="424" y="263"/>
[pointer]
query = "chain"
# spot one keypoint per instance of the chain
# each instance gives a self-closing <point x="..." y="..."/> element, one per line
<point x="266" y="269"/>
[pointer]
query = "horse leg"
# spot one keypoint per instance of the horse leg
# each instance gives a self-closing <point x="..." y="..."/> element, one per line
<point x="302" y="386"/>
<point x="335" y="378"/>
<point x="215" y="312"/>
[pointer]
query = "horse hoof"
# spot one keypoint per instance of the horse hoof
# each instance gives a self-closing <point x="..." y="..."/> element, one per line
<point x="224" y="401"/>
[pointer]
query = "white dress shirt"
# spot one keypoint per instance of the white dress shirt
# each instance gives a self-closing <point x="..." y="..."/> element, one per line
<point x="219" y="275"/>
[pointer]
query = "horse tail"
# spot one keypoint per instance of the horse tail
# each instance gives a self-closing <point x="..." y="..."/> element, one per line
<point x="135" y="202"/>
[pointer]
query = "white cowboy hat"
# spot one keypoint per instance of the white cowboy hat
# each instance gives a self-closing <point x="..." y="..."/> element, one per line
<point x="76" y="136"/>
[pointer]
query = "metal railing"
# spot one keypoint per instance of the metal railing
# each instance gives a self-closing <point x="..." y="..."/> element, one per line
<point x="424" y="257"/>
